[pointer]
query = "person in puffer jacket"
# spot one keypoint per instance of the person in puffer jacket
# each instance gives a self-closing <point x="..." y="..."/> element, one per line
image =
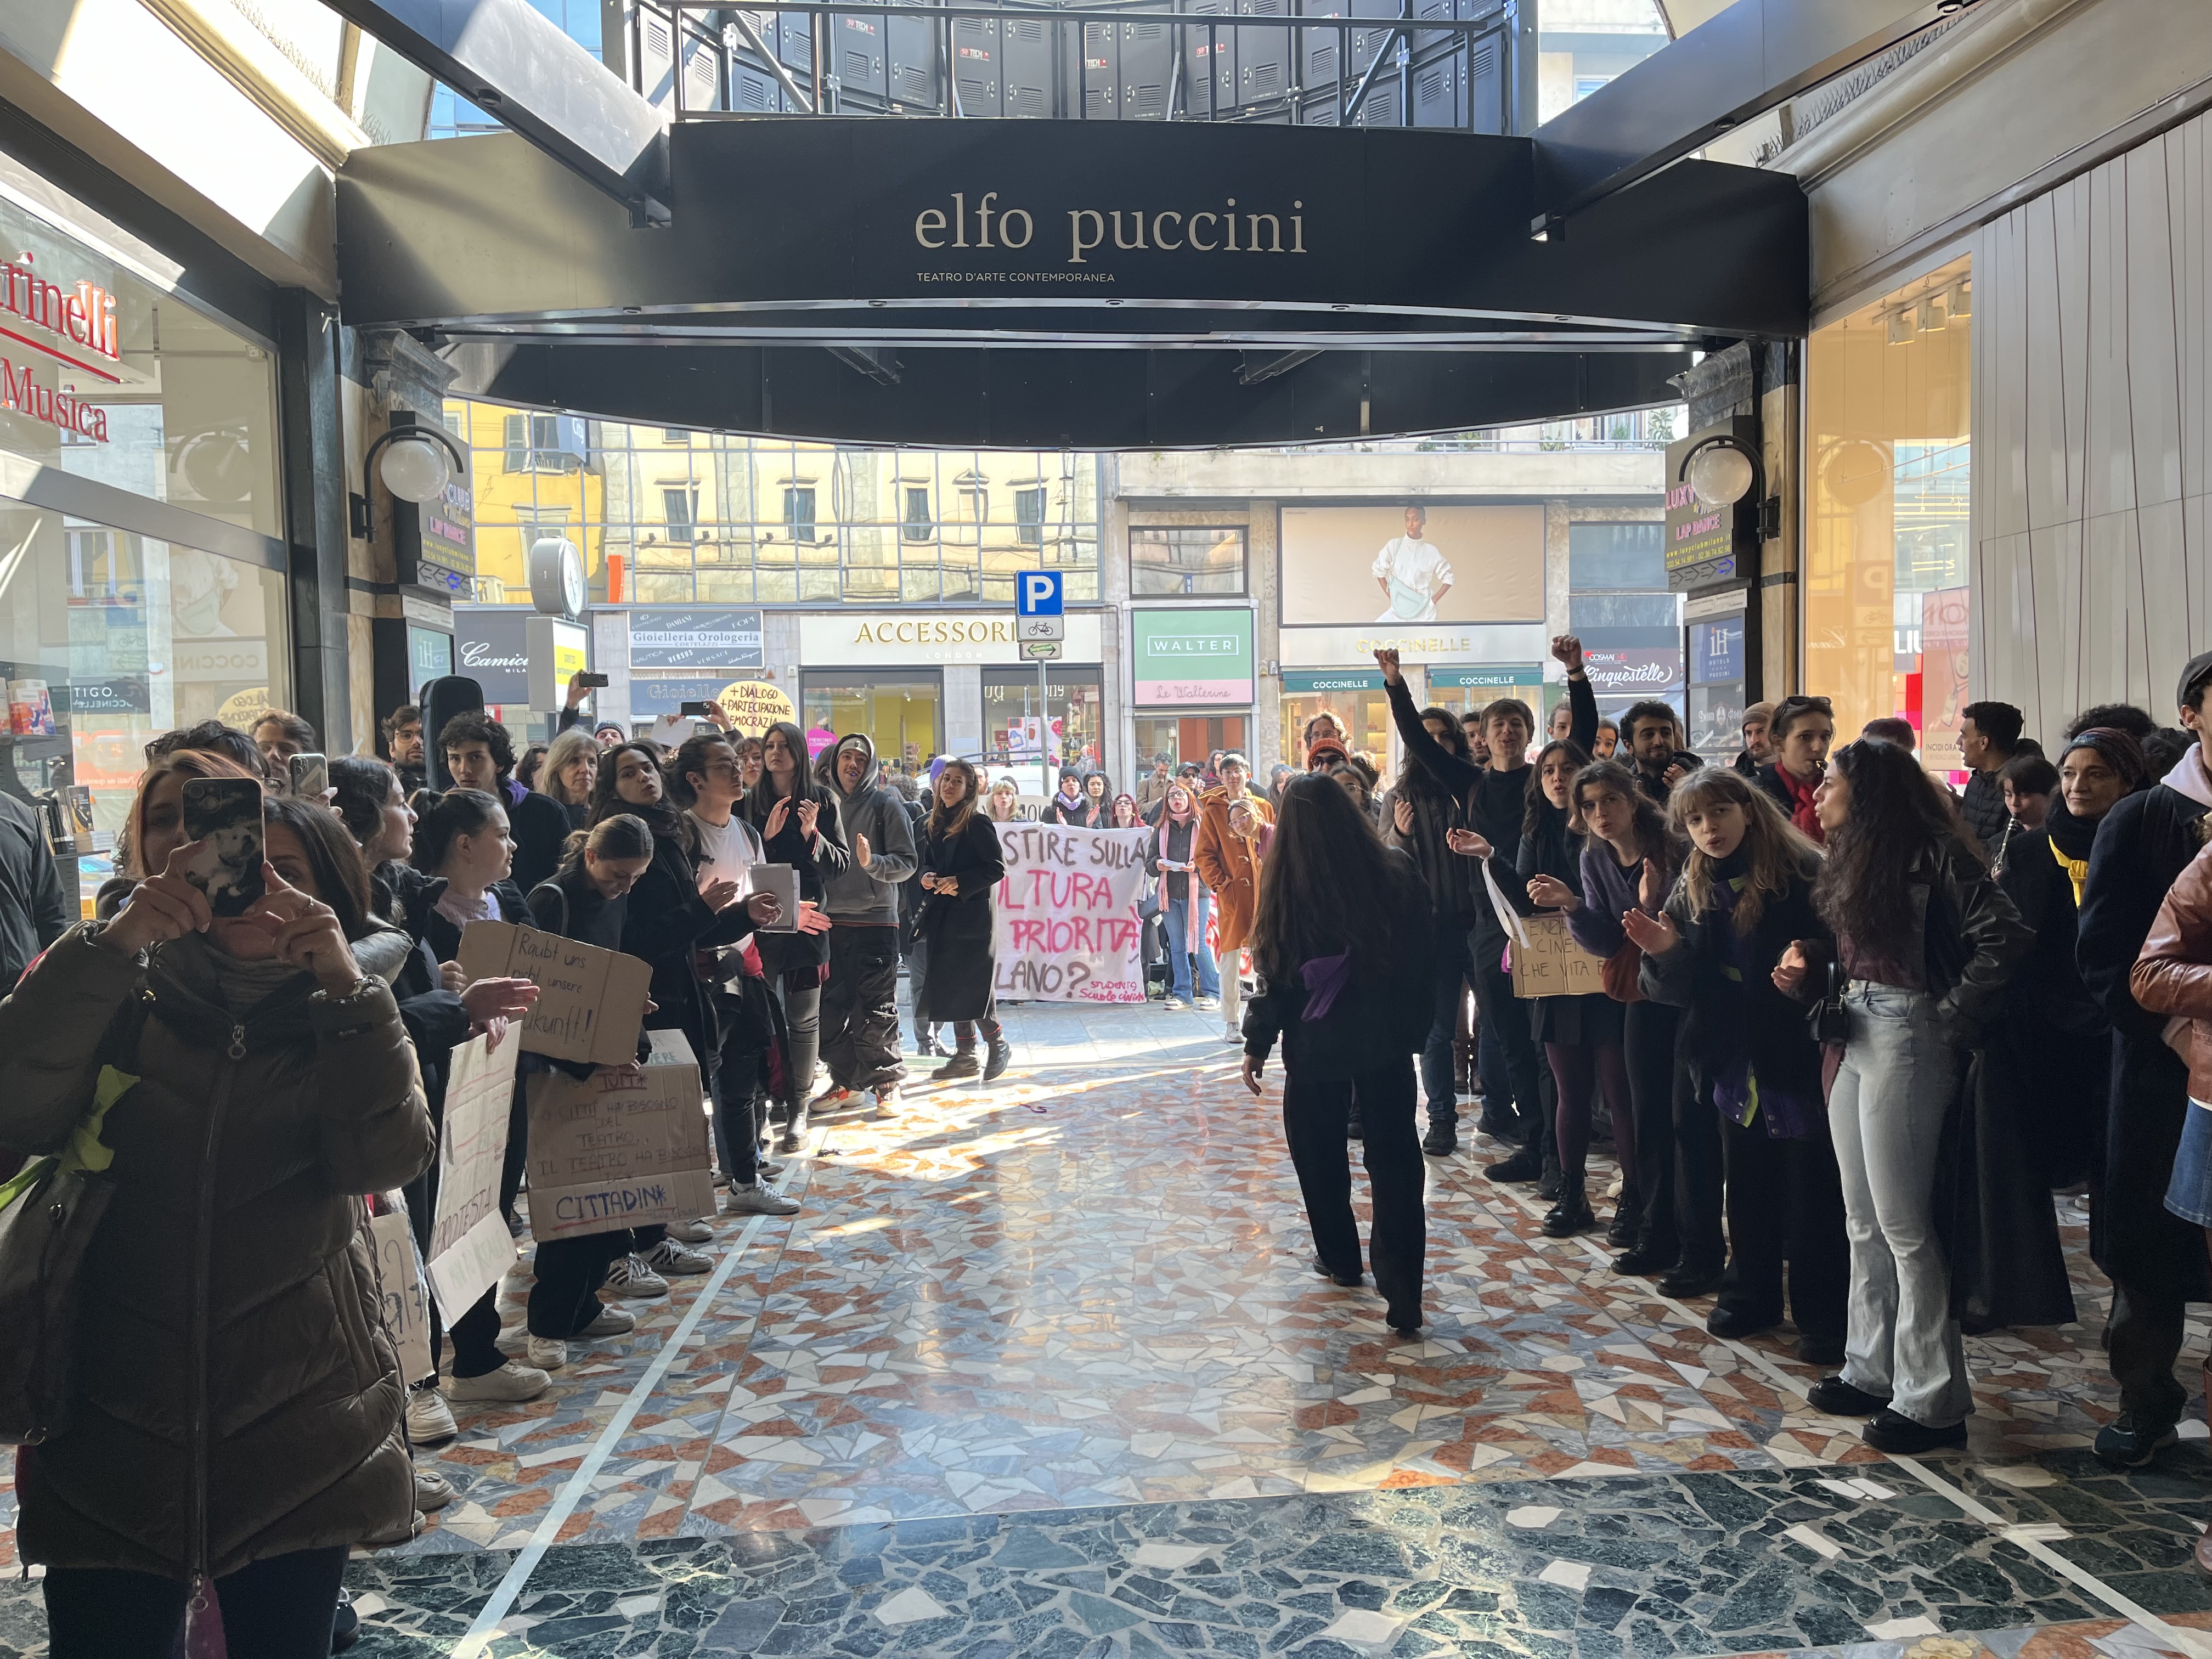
<point x="236" y="1412"/>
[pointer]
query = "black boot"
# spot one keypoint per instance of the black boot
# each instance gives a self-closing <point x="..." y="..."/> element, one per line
<point x="1571" y="1215"/>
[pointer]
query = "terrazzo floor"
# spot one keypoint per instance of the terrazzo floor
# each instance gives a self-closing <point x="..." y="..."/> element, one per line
<point x="1039" y="1369"/>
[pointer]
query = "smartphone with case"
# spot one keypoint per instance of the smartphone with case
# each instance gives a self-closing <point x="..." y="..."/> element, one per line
<point x="590" y="682"/>
<point x="698" y="711"/>
<point x="222" y="815"/>
<point x="310" y="777"/>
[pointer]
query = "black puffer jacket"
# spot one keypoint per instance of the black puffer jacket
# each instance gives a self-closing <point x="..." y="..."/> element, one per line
<point x="238" y="1397"/>
<point x="1983" y="807"/>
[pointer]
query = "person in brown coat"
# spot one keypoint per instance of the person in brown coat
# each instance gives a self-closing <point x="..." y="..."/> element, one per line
<point x="236" y="1412"/>
<point x="1229" y="864"/>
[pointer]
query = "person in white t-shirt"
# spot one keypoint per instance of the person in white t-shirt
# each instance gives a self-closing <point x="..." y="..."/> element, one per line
<point x="1413" y="574"/>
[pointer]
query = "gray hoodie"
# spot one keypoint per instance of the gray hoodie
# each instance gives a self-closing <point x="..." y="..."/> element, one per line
<point x="870" y="895"/>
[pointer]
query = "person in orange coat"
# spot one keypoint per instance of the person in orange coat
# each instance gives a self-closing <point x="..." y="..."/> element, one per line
<point x="1228" y="856"/>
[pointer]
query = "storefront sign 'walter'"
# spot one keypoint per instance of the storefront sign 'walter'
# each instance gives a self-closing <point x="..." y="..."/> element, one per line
<point x="1066" y="925"/>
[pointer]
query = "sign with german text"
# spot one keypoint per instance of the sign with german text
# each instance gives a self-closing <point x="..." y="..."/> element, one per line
<point x="591" y="1001"/>
<point x="623" y="1147"/>
<point x="1065" y="927"/>
<point x="470" y="1245"/>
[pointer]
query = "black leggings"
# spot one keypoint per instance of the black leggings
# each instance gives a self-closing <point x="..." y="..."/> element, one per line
<point x="279" y="1608"/>
<point x="802" y="1013"/>
<point x="1316" y="1112"/>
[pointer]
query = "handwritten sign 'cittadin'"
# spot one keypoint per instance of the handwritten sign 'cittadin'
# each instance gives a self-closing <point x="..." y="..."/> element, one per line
<point x="623" y="1147"/>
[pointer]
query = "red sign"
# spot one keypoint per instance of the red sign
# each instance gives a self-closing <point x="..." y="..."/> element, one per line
<point x="83" y="316"/>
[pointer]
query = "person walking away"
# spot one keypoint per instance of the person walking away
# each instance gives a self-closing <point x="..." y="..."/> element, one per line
<point x="234" y="1426"/>
<point x="1228" y="861"/>
<point x="1172" y="859"/>
<point x="1757" y="749"/>
<point x="1744" y="900"/>
<point x="1989" y="736"/>
<point x="1581" y="1035"/>
<point x="860" y="1003"/>
<point x="479" y="756"/>
<point x="1802" y="729"/>
<point x="2153" y="1258"/>
<point x="1072" y="806"/>
<point x="797" y="821"/>
<point x="1421" y="812"/>
<point x="706" y="781"/>
<point x="960" y="870"/>
<point x="1673" y="1229"/>
<point x="1497" y="797"/>
<point x="1929" y="942"/>
<point x="2173" y="978"/>
<point x="571" y="768"/>
<point x="1341" y="939"/>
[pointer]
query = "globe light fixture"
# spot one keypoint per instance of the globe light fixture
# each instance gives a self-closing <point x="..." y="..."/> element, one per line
<point x="1720" y="476"/>
<point x="414" y="469"/>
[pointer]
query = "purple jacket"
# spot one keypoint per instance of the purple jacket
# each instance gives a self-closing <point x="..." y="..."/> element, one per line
<point x="1608" y="890"/>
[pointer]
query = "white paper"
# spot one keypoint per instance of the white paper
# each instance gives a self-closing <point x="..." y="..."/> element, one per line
<point x="671" y="731"/>
<point x="782" y="881"/>
<point x="1507" y="917"/>
<point x="470" y="1245"/>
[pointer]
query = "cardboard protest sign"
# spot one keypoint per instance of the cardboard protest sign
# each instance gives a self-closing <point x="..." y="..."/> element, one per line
<point x="406" y="1305"/>
<point x="1065" y="922"/>
<point x="470" y="1245"/>
<point x="623" y="1147"/>
<point x="1551" y="964"/>
<point x="590" y="1001"/>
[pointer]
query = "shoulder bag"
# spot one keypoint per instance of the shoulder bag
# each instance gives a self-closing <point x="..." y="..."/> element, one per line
<point x="1826" y="1019"/>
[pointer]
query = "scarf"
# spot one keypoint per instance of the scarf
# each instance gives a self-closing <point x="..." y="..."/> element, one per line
<point x="1802" y="813"/>
<point x="2077" y="870"/>
<point x="1325" y="979"/>
<point x="243" y="984"/>
<point x="2190" y="778"/>
<point x="462" y="911"/>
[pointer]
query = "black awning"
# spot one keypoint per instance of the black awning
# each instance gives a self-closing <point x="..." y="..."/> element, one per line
<point x="1057" y="283"/>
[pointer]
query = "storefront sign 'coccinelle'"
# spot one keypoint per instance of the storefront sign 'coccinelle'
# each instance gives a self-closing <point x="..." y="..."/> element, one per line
<point x="75" y="326"/>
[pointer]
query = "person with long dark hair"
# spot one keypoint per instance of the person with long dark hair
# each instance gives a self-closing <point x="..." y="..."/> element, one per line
<point x="1172" y="859"/>
<point x="1420" y="815"/>
<point x="1581" y="1034"/>
<point x="1929" y="942"/>
<point x="1744" y="901"/>
<point x="961" y="869"/>
<point x="797" y="822"/>
<point x="1341" y="938"/>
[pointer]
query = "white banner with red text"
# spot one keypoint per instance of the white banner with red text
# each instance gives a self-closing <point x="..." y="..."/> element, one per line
<point x="1066" y="914"/>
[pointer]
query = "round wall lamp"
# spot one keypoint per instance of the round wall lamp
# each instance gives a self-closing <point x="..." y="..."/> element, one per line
<point x="1722" y="470"/>
<point x="415" y="462"/>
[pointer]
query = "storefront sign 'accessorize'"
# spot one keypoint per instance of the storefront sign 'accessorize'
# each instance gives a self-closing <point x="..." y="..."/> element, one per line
<point x="1065" y="922"/>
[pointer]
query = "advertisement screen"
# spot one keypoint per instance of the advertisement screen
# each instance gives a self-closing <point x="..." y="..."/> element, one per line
<point x="1405" y="564"/>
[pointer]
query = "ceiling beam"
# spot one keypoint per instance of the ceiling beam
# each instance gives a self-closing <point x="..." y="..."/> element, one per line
<point x="1268" y="368"/>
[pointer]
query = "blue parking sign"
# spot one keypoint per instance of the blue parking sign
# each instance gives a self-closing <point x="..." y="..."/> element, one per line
<point x="1036" y="593"/>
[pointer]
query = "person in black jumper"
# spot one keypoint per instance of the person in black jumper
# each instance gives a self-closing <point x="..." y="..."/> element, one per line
<point x="1496" y="797"/>
<point x="1341" y="940"/>
<point x="1989" y="736"/>
<point x="960" y="869"/>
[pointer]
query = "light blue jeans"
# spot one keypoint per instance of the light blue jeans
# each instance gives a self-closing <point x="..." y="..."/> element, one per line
<point x="1178" y="928"/>
<point x="1886" y="1114"/>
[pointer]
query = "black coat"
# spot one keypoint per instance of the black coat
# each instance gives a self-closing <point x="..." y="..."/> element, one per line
<point x="828" y="856"/>
<point x="541" y="826"/>
<point x="666" y="925"/>
<point x="964" y="961"/>
<point x="33" y="911"/>
<point x="1379" y="1018"/>
<point x="2144" y="843"/>
<point x="2054" y="1040"/>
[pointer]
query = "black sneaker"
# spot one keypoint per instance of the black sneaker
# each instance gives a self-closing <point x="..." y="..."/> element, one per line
<point x="1001" y="1056"/>
<point x="1688" y="1283"/>
<point x="1523" y="1165"/>
<point x="1890" y="1433"/>
<point x="1499" y="1127"/>
<point x="964" y="1063"/>
<point x="1838" y="1398"/>
<point x="1349" y="1280"/>
<point x="1405" y="1324"/>
<point x="1442" y="1140"/>
<point x="1570" y="1216"/>
<point x="1551" y="1182"/>
<point x="1728" y="1321"/>
<point x="345" y="1622"/>
<point x="2132" y="1442"/>
<point x="1644" y="1261"/>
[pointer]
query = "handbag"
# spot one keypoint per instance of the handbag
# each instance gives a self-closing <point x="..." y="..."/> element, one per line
<point x="1826" y="1019"/>
<point x="1620" y="976"/>
<point x="49" y="1213"/>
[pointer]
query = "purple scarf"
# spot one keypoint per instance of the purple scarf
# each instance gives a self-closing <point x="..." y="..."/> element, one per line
<point x="1326" y="978"/>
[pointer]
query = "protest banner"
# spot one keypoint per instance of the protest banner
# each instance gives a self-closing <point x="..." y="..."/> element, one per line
<point x="406" y="1305"/>
<point x="470" y="1245"/>
<point x="590" y="1001"/>
<point x="1549" y="963"/>
<point x="1065" y="927"/>
<point x="623" y="1147"/>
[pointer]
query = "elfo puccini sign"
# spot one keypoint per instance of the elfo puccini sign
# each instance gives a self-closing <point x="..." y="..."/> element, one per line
<point x="1065" y="921"/>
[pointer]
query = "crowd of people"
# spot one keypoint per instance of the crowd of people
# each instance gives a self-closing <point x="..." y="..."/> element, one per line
<point x="1845" y="1031"/>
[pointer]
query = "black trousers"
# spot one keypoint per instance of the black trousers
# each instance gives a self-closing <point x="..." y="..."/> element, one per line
<point x="1508" y="1017"/>
<point x="566" y="1296"/>
<point x="1785" y="1205"/>
<point x="476" y="1332"/>
<point x="1649" y="1034"/>
<point x="1699" y="1169"/>
<point x="279" y="1608"/>
<point x="518" y="1146"/>
<point x="859" y="1008"/>
<point x="738" y="1092"/>
<point x="1437" y="1079"/>
<point x="2142" y="1341"/>
<point x="1315" y="1113"/>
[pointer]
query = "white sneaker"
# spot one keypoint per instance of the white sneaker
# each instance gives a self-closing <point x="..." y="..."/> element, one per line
<point x="429" y="1419"/>
<point x="670" y="1257"/>
<point x="611" y="1321"/>
<point x="692" y="1232"/>
<point x="1231" y="1034"/>
<point x="631" y="1277"/>
<point x="432" y="1490"/>
<point x="1172" y="1004"/>
<point x="547" y="1353"/>
<point x="759" y="1199"/>
<point x="835" y="1098"/>
<point x="889" y="1101"/>
<point x="510" y="1384"/>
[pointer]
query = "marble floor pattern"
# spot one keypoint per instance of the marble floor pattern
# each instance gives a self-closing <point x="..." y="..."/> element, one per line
<point x="1040" y="1370"/>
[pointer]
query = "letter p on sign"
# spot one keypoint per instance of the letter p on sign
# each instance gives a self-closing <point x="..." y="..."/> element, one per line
<point x="1036" y="593"/>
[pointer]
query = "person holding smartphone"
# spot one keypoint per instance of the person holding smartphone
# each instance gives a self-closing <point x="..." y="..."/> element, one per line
<point x="236" y="1423"/>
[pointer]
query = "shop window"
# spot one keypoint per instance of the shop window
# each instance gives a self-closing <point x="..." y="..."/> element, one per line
<point x="1029" y="517"/>
<point x="899" y="711"/>
<point x="914" y="523"/>
<point x="1075" y="705"/>
<point x="1187" y="738"/>
<point x="1173" y="559"/>
<point x="798" y="512"/>
<point x="1888" y="407"/>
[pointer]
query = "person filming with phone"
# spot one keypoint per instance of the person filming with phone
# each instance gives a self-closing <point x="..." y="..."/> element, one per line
<point x="234" y="1426"/>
